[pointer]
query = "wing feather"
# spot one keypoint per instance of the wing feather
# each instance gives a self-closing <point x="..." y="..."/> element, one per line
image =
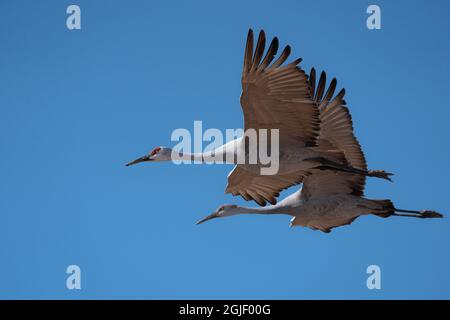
<point x="277" y="96"/>
<point x="285" y="98"/>
<point x="261" y="189"/>
<point x="336" y="133"/>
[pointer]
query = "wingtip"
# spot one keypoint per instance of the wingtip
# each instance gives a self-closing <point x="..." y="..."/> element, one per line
<point x="288" y="49"/>
<point x="262" y="36"/>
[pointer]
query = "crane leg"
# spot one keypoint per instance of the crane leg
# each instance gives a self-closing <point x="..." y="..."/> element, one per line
<point x="418" y="214"/>
<point x="385" y="208"/>
<point x="329" y="164"/>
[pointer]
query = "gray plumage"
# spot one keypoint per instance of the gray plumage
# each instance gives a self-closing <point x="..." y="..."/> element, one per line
<point x="329" y="198"/>
<point x="281" y="96"/>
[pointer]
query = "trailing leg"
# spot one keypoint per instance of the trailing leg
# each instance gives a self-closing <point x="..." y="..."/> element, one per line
<point x="329" y="164"/>
<point x="385" y="208"/>
<point x="418" y="214"/>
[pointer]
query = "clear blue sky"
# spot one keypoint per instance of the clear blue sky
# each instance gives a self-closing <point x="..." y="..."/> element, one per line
<point x="76" y="105"/>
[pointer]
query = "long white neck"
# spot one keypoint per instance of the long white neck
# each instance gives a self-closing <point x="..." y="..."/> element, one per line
<point x="226" y="153"/>
<point x="274" y="209"/>
<point x="198" y="157"/>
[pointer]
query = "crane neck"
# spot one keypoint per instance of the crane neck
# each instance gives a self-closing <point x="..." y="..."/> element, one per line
<point x="203" y="157"/>
<point x="226" y="153"/>
<point x="272" y="209"/>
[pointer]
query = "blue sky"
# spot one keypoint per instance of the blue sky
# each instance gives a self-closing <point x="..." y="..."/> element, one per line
<point x="76" y="105"/>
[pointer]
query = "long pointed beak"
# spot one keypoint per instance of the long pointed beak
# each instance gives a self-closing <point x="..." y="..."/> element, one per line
<point x="141" y="159"/>
<point x="208" y="217"/>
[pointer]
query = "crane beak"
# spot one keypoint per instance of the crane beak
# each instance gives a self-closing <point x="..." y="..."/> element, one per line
<point x="141" y="159"/>
<point x="209" y="217"/>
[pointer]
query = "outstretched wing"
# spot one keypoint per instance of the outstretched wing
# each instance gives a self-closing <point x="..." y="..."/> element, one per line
<point x="260" y="188"/>
<point x="276" y="96"/>
<point x="336" y="133"/>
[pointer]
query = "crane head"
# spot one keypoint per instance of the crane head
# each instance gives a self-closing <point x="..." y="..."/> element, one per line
<point x="157" y="154"/>
<point x="225" y="210"/>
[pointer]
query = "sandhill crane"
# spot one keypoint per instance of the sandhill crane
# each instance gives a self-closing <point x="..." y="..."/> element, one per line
<point x="322" y="211"/>
<point x="283" y="97"/>
<point x="328" y="198"/>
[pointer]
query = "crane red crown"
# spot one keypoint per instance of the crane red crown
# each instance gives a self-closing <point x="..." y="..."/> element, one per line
<point x="155" y="151"/>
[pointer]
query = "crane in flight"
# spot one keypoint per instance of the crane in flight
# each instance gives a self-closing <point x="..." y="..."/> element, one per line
<point x="276" y="96"/>
<point x="330" y="198"/>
